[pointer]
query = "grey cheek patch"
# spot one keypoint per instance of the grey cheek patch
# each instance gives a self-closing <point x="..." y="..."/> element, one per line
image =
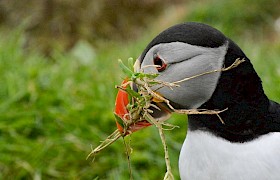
<point x="147" y="62"/>
<point x="195" y="92"/>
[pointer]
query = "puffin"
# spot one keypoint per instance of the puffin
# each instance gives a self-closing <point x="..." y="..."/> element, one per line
<point x="247" y="145"/>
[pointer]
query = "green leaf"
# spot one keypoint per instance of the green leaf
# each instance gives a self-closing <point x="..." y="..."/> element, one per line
<point x="119" y="120"/>
<point x="125" y="69"/>
<point x="131" y="63"/>
<point x="133" y="93"/>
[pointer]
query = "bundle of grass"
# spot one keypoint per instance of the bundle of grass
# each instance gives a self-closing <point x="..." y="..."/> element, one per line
<point x="135" y="109"/>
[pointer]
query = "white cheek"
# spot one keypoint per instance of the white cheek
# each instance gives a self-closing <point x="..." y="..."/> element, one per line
<point x="184" y="61"/>
<point x="194" y="92"/>
<point x="147" y="65"/>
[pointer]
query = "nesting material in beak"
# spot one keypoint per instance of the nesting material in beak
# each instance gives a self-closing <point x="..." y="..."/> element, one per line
<point x="125" y="124"/>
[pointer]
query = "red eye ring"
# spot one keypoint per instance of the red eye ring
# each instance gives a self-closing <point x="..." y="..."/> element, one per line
<point x="160" y="64"/>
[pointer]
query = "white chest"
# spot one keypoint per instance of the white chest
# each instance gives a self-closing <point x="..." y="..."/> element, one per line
<point x="207" y="157"/>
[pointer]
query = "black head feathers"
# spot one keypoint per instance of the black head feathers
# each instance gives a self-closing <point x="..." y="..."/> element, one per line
<point x="192" y="33"/>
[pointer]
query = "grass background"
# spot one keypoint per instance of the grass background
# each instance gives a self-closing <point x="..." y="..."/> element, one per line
<point x="54" y="108"/>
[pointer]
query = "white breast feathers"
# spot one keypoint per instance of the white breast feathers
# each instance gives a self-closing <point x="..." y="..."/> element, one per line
<point x="207" y="157"/>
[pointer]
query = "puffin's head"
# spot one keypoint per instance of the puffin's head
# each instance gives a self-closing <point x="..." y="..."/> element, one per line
<point x="189" y="49"/>
<point x="182" y="51"/>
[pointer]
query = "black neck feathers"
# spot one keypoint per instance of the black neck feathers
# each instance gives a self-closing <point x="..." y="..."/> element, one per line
<point x="249" y="110"/>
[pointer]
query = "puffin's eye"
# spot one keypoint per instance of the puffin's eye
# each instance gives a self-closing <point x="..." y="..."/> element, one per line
<point x="160" y="64"/>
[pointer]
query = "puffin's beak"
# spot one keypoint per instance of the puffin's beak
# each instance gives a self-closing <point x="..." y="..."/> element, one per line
<point x="122" y="113"/>
<point x="137" y="66"/>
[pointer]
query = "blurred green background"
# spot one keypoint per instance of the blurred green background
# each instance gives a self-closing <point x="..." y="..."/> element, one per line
<point x="58" y="71"/>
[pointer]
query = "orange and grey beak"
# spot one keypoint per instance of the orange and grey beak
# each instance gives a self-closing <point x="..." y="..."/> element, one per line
<point x="122" y="113"/>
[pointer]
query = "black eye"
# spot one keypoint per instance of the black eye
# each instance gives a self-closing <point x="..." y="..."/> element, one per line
<point x="160" y="64"/>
